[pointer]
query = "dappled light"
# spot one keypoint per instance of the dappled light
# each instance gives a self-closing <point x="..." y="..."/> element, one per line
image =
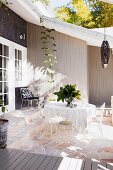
<point x="61" y="142"/>
<point x="58" y="97"/>
<point x="63" y="154"/>
<point x="74" y="148"/>
<point x="71" y="163"/>
<point x="39" y="73"/>
<point x="102" y="167"/>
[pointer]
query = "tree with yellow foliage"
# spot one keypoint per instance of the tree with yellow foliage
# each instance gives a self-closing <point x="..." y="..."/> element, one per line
<point x="87" y="13"/>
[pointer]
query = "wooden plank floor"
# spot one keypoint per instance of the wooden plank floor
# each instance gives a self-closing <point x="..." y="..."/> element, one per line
<point x="11" y="159"/>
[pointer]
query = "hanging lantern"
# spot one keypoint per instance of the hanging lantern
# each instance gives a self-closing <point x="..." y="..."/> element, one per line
<point x="105" y="53"/>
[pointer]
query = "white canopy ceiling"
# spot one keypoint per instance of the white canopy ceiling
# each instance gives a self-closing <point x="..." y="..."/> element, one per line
<point x="92" y="37"/>
<point x="31" y="13"/>
<point x="25" y="9"/>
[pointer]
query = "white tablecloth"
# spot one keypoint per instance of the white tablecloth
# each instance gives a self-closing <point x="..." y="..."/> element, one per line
<point x="78" y="115"/>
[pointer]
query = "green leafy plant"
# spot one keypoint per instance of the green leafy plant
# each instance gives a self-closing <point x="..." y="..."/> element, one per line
<point x="2" y="106"/>
<point x="6" y="3"/>
<point x="68" y="93"/>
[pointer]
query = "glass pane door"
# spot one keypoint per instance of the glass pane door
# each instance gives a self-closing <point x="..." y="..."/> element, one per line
<point x="4" y="60"/>
<point x="18" y="65"/>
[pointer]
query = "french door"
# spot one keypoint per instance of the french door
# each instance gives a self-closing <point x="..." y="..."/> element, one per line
<point x="4" y="62"/>
<point x="12" y="56"/>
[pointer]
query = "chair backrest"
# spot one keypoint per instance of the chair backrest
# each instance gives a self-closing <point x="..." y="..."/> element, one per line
<point x="103" y="105"/>
<point x="25" y="93"/>
<point x="102" y="108"/>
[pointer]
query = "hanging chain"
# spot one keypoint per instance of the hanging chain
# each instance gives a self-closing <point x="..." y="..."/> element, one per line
<point x="105" y="7"/>
<point x="104" y="34"/>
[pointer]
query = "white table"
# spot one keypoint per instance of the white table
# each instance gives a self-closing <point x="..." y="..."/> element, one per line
<point x="78" y="115"/>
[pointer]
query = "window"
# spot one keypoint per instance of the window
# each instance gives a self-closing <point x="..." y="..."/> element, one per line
<point x="18" y="65"/>
<point x="4" y="60"/>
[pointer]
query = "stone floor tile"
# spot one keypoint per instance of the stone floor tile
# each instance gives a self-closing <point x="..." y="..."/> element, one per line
<point x="62" y="146"/>
<point x="52" y="144"/>
<point x="27" y="131"/>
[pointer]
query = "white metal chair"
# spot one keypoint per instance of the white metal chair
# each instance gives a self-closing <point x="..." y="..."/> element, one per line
<point x="66" y="126"/>
<point x="97" y="121"/>
<point x="51" y="121"/>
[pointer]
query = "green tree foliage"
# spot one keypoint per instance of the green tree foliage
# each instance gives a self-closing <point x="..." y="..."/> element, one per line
<point x="84" y="16"/>
<point x="5" y="2"/>
<point x="66" y="14"/>
<point x="102" y="13"/>
<point x="87" y="13"/>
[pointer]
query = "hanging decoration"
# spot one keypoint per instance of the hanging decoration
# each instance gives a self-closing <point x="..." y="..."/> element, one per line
<point x="105" y="52"/>
<point x="49" y="49"/>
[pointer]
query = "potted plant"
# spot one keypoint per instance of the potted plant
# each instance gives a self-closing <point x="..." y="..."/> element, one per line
<point x="3" y="107"/>
<point x="68" y="93"/>
<point x="3" y="126"/>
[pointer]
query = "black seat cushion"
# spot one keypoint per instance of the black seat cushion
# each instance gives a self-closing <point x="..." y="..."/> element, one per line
<point x="31" y="98"/>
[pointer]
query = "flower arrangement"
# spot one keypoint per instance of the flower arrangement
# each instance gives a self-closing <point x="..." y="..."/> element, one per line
<point x="68" y="93"/>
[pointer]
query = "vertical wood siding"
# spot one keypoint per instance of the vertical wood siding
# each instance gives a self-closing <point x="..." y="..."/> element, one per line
<point x="100" y="80"/>
<point x="12" y="26"/>
<point x="71" y="56"/>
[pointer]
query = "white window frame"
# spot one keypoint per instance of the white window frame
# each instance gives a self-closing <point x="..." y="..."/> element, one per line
<point x="18" y="62"/>
<point x="22" y="82"/>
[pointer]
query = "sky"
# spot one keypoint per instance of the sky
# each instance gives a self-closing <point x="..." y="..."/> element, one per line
<point x="56" y="3"/>
<point x="49" y="10"/>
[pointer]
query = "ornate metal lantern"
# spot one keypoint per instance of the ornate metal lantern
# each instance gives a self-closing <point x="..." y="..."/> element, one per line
<point x="105" y="53"/>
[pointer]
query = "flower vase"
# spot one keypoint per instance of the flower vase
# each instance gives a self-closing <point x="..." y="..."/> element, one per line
<point x="69" y="102"/>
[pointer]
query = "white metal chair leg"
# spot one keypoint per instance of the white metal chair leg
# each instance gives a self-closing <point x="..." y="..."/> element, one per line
<point x="100" y="129"/>
<point x="3" y="115"/>
<point x="28" y="104"/>
<point x="42" y="112"/>
<point x="31" y="103"/>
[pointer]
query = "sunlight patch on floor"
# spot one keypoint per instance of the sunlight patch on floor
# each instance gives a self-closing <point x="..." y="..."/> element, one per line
<point x="35" y="137"/>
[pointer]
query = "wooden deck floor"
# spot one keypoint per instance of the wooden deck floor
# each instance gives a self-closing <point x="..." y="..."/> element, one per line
<point x="20" y="160"/>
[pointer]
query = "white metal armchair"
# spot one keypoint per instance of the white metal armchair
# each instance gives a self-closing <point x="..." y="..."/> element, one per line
<point x="98" y="120"/>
